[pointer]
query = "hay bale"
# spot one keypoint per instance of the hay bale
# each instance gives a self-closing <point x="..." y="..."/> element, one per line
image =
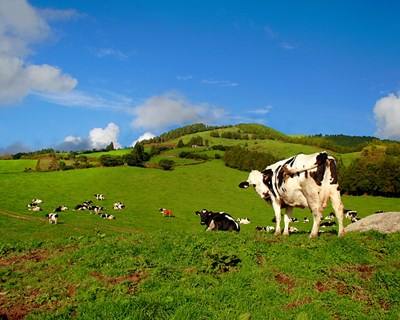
<point x="385" y="222"/>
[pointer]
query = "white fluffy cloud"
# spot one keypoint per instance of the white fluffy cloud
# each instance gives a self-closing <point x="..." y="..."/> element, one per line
<point x="21" y="26"/>
<point x="98" y="138"/>
<point x="160" y="112"/>
<point x="144" y="136"/>
<point x="387" y="116"/>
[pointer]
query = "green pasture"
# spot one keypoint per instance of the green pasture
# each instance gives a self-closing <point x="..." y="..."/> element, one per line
<point x="145" y="266"/>
<point x="13" y="166"/>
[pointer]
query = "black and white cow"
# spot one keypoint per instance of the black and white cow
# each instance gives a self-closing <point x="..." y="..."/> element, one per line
<point x="243" y="220"/>
<point x="118" y="206"/>
<point x="217" y="221"/>
<point x="52" y="217"/>
<point x="266" y="228"/>
<point x="304" y="181"/>
<point x="107" y="216"/>
<point x="350" y="214"/>
<point x="61" y="208"/>
<point x="99" y="196"/>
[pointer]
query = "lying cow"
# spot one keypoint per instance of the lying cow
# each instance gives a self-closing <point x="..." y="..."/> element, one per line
<point x="217" y="221"/>
<point x="60" y="209"/>
<point x="107" y="216"/>
<point x="118" y="206"/>
<point x="99" y="196"/>
<point x="167" y="212"/>
<point x="266" y="228"/>
<point x="304" y="181"/>
<point x="52" y="217"/>
<point x="243" y="220"/>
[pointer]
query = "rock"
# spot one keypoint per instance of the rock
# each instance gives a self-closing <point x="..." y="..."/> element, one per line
<point x="385" y="222"/>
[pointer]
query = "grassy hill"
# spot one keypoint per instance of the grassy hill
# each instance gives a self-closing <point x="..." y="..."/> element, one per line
<point x="144" y="266"/>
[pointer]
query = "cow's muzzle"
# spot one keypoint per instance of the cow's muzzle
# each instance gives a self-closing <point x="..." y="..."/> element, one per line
<point x="244" y="185"/>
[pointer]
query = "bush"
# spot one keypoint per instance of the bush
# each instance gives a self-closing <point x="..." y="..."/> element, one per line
<point x="166" y="164"/>
<point x="111" y="161"/>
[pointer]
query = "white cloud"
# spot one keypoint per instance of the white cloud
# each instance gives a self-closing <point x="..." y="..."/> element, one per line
<point x="220" y="83"/>
<point x="78" y="98"/>
<point x="100" y="138"/>
<point x="110" y="52"/>
<point x="261" y="111"/>
<point x="73" y="139"/>
<point x="50" y="14"/>
<point x="387" y="116"/>
<point x="144" y="136"/>
<point x="287" y="46"/>
<point x="21" y="26"/>
<point x="160" y="112"/>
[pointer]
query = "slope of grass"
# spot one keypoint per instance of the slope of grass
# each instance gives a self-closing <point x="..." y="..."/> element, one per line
<point x="12" y="166"/>
<point x="144" y="266"/>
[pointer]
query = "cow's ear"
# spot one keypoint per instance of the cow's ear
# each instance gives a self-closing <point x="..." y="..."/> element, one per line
<point x="244" y="185"/>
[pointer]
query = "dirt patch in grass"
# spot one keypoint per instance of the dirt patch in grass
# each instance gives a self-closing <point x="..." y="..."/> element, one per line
<point x="286" y="281"/>
<point x="22" y="306"/>
<point x="363" y="270"/>
<point x="299" y="303"/>
<point x="35" y="255"/>
<point x="320" y="287"/>
<point x="133" y="279"/>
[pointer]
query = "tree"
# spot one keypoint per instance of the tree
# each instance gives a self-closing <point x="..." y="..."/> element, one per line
<point x="180" y="144"/>
<point x="110" y="146"/>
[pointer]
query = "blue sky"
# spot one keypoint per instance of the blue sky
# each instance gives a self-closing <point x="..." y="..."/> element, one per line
<point x="83" y="73"/>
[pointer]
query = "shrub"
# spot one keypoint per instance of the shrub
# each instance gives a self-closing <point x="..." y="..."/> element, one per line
<point x="111" y="161"/>
<point x="166" y="164"/>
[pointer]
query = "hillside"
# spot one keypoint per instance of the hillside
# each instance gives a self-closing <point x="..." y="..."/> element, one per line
<point x="145" y="266"/>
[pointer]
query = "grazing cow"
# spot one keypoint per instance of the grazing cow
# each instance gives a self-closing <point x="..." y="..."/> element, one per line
<point x="305" y="220"/>
<point x="293" y="230"/>
<point x="167" y="212"/>
<point x="327" y="224"/>
<point x="52" y="217"/>
<point x="304" y="181"/>
<point x="97" y="209"/>
<point x="60" y="209"/>
<point x="266" y="228"/>
<point x="354" y="219"/>
<point x="36" y="201"/>
<point x="330" y="217"/>
<point x="217" y="221"/>
<point x="243" y="220"/>
<point x="99" y="196"/>
<point x="294" y="220"/>
<point x="35" y="208"/>
<point x="118" y="205"/>
<point x="107" y="216"/>
<point x="350" y="214"/>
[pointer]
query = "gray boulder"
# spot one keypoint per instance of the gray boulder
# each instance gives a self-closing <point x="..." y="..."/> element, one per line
<point x="385" y="222"/>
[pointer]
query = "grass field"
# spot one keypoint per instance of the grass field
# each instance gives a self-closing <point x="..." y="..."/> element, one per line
<point x="12" y="166"/>
<point x="144" y="266"/>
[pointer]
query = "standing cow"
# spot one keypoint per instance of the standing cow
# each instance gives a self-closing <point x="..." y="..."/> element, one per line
<point x="304" y="181"/>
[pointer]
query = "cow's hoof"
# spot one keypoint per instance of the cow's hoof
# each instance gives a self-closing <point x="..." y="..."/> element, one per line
<point x="277" y="233"/>
<point x="285" y="233"/>
<point x="313" y="236"/>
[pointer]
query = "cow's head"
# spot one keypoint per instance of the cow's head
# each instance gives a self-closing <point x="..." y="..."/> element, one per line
<point x="204" y="215"/>
<point x="255" y="178"/>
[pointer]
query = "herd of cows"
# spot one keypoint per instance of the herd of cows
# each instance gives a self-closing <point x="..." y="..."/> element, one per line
<point x="87" y="205"/>
<point x="303" y="181"/>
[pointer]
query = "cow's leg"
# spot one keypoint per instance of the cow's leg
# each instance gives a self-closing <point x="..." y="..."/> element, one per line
<point x="211" y="226"/>
<point x="316" y="211"/>
<point x="286" y="218"/>
<point x="277" y="211"/>
<point x="338" y="208"/>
